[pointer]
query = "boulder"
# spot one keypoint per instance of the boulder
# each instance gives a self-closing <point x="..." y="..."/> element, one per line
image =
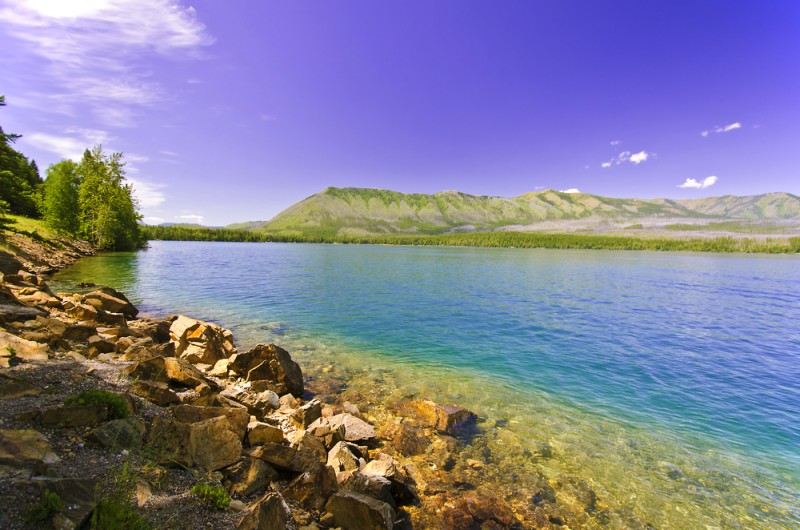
<point x="284" y="456"/>
<point x="81" y="311"/>
<point x="312" y="487"/>
<point x="238" y="418"/>
<point x="258" y="403"/>
<point x="354" y="510"/>
<point x="209" y="444"/>
<point x="13" y="388"/>
<point x="9" y="264"/>
<point x="155" y="392"/>
<point x="269" y="512"/>
<point x="79" y="332"/>
<point x="270" y="363"/>
<point x="346" y="456"/>
<point x="150" y="369"/>
<point x="100" y="344"/>
<point x="328" y="435"/>
<point x="376" y="487"/>
<point x="385" y="467"/>
<point x="13" y="347"/>
<point x="308" y="413"/>
<point x="10" y="312"/>
<point x="445" y="418"/>
<point x="78" y="496"/>
<point x="111" y="301"/>
<point x="248" y="476"/>
<point x="261" y="433"/>
<point x="200" y="342"/>
<point x="41" y="299"/>
<point x="355" y="429"/>
<point x="73" y="415"/>
<point x="408" y="439"/>
<point x="25" y="449"/>
<point x="183" y="373"/>
<point x="127" y="433"/>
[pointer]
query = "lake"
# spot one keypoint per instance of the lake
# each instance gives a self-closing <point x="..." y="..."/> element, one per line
<point x="670" y="382"/>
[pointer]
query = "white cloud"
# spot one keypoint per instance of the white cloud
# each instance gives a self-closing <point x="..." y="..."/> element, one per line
<point x="705" y="183"/>
<point x="615" y="142"/>
<point x="627" y="156"/>
<point x="148" y="194"/>
<point x="571" y="190"/>
<point x="153" y="220"/>
<point x="94" y="49"/>
<point x="63" y="146"/>
<point x="192" y="218"/>
<point x="722" y="129"/>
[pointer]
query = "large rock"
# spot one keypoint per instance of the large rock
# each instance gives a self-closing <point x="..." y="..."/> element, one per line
<point x="259" y="433"/>
<point x="444" y="418"/>
<point x="9" y="264"/>
<point x="155" y="392"/>
<point x="355" y="429"/>
<point x="356" y="511"/>
<point x="476" y="510"/>
<point x="183" y="373"/>
<point x="385" y="467"/>
<point x="119" y="434"/>
<point x="258" y="403"/>
<point x="270" y="363"/>
<point x="269" y="513"/>
<point x="13" y="347"/>
<point x="376" y="487"/>
<point x="346" y="456"/>
<point x="78" y="495"/>
<point x="238" y="418"/>
<point x="312" y="487"/>
<point x="284" y="456"/>
<point x="79" y="332"/>
<point x="308" y="413"/>
<point x="12" y="388"/>
<point x="11" y="312"/>
<point x="200" y="342"/>
<point x="151" y="369"/>
<point x="249" y="476"/>
<point x="210" y="444"/>
<point x="25" y="449"/>
<point x="111" y="301"/>
<point x="74" y="415"/>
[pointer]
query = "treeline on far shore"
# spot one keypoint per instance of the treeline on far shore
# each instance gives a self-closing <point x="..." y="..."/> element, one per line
<point x="490" y="239"/>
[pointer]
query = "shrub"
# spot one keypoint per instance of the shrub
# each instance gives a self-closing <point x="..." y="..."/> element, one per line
<point x="116" y="514"/>
<point x="215" y="496"/>
<point x="39" y="512"/>
<point x="117" y="408"/>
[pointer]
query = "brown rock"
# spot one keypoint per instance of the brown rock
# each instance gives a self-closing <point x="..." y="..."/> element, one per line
<point x="322" y="429"/>
<point x="408" y="439"/>
<point x="270" y="512"/>
<point x="183" y="373"/>
<point x="150" y="369"/>
<point x="78" y="496"/>
<point x="262" y="433"/>
<point x="308" y="413"/>
<point x="12" y="346"/>
<point x="79" y="332"/>
<point x="313" y="487"/>
<point x="73" y="415"/>
<point x="25" y="449"/>
<point x="81" y="311"/>
<point x="258" y="403"/>
<point x="127" y="433"/>
<point x="155" y="392"/>
<point x="238" y="418"/>
<point x="483" y="511"/>
<point x="354" y="510"/>
<point x="249" y="476"/>
<point x="346" y="456"/>
<point x="102" y="345"/>
<point x="355" y="429"/>
<point x="12" y="388"/>
<point x="210" y="444"/>
<point x="200" y="342"/>
<point x="445" y="418"/>
<point x="270" y="363"/>
<point x="111" y="301"/>
<point x="284" y="456"/>
<point x="376" y="487"/>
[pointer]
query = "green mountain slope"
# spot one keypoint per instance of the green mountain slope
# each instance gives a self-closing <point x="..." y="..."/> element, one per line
<point x="360" y="211"/>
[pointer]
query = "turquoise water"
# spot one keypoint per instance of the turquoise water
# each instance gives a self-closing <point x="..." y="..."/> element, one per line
<point x="669" y="381"/>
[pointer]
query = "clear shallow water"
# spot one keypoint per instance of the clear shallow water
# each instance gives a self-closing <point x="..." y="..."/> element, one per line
<point x="670" y="382"/>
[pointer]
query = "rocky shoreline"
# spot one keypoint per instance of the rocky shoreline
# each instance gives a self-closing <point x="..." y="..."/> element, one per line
<point x="289" y="451"/>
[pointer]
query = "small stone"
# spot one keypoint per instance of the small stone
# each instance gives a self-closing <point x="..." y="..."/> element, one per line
<point x="237" y="506"/>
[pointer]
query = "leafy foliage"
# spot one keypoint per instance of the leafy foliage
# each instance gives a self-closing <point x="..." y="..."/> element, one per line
<point x="214" y="496"/>
<point x="117" y="408"/>
<point x="117" y="514"/>
<point x="61" y="197"/>
<point x="19" y="177"/>
<point x="43" y="509"/>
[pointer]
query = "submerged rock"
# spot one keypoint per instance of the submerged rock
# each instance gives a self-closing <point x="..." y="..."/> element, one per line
<point x="445" y="418"/>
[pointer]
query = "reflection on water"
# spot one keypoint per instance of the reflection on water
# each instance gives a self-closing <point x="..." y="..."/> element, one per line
<point x="666" y="384"/>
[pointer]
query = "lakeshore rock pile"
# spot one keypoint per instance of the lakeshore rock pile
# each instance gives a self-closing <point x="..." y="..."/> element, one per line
<point x="191" y="409"/>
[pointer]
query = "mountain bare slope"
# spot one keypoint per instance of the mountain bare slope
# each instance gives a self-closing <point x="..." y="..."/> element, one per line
<point x="356" y="211"/>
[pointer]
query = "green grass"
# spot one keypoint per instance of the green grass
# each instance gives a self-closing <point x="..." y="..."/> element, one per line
<point x="43" y="510"/>
<point x="729" y="226"/>
<point x="214" y="496"/>
<point x="117" y="514"/>
<point x="117" y="407"/>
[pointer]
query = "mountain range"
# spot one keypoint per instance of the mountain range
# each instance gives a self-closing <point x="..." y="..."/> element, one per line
<point x="362" y="211"/>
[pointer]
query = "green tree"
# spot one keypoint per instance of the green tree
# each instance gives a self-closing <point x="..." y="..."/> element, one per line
<point x="19" y="178"/>
<point x="60" y="203"/>
<point x="108" y="212"/>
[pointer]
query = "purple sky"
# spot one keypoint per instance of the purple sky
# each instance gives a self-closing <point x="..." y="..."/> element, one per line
<point x="232" y="111"/>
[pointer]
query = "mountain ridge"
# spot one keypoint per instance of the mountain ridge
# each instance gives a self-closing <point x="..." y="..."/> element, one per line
<point x="364" y="211"/>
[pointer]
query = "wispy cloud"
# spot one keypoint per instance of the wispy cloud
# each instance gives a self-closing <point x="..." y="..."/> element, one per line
<point x="615" y="142"/>
<point x="192" y="218"/>
<point x="721" y="129"/>
<point x="153" y="220"/>
<point x="571" y="190"/>
<point x="148" y="194"/>
<point x="94" y="50"/>
<point x="627" y="156"/>
<point x="705" y="183"/>
<point x="71" y="144"/>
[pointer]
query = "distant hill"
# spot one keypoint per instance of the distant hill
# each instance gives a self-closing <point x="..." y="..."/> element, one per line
<point x="361" y="211"/>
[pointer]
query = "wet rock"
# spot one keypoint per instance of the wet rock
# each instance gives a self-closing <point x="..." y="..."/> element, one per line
<point x="25" y="449"/>
<point x="73" y="415"/>
<point x="210" y="444"/>
<point x="270" y="363"/>
<point x="376" y="487"/>
<point x="476" y="510"/>
<point x="238" y="418"/>
<point x="346" y="456"/>
<point x="355" y="429"/>
<point x="269" y="512"/>
<point x="308" y="413"/>
<point x="312" y="487"/>
<point x="408" y="439"/>
<point x="127" y="433"/>
<point x="249" y="476"/>
<point x="200" y="342"/>
<point x="111" y="301"/>
<point x="155" y="392"/>
<point x="354" y="510"/>
<point x="445" y="418"/>
<point x="262" y="433"/>
<point x="386" y="467"/>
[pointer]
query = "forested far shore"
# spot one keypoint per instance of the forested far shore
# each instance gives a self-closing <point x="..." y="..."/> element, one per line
<point x="490" y="239"/>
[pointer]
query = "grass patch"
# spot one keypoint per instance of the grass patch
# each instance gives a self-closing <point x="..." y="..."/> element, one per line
<point x="44" y="509"/>
<point x="117" y="407"/>
<point x="213" y="496"/>
<point x="117" y="514"/>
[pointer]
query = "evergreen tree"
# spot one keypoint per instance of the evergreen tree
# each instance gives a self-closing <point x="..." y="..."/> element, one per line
<point x="108" y="212"/>
<point x="19" y="178"/>
<point x="60" y="204"/>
